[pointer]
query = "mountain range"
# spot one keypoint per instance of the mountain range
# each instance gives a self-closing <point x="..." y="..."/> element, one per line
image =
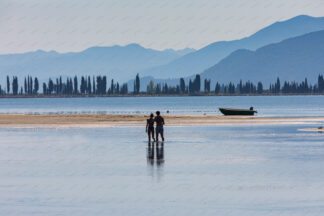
<point x="119" y="62"/>
<point x="198" y="61"/>
<point x="293" y="59"/>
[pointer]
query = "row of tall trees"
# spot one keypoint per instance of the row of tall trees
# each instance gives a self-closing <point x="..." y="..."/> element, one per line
<point x="15" y="87"/>
<point x="276" y="88"/>
<point x="194" y="87"/>
<point x="98" y="85"/>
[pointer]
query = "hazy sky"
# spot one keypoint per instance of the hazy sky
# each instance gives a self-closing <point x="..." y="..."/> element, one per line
<point x="74" y="25"/>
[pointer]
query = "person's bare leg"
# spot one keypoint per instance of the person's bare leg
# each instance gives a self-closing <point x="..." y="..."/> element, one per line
<point x="157" y="136"/>
<point x="153" y="136"/>
<point x="162" y="135"/>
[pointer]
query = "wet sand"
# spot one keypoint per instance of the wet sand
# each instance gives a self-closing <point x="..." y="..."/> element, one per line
<point x="110" y="120"/>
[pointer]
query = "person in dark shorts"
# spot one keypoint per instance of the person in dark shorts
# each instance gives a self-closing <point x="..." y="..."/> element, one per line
<point x="159" y="126"/>
<point x="150" y="127"/>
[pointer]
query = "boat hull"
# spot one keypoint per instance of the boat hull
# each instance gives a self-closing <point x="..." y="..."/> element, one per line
<point x="228" y="111"/>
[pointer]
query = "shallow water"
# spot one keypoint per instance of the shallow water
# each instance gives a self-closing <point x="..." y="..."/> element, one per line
<point x="266" y="105"/>
<point x="214" y="170"/>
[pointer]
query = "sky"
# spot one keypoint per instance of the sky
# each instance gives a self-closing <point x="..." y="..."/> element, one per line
<point x="74" y="25"/>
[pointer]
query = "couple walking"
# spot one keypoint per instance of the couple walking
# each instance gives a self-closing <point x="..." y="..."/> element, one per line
<point x="158" y="129"/>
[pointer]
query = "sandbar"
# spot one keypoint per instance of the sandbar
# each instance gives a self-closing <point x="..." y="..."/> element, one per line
<point x="117" y="120"/>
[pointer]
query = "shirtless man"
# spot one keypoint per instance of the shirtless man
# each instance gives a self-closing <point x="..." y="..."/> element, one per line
<point x="159" y="126"/>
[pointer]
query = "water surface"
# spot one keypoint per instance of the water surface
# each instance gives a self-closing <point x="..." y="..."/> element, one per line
<point x="214" y="170"/>
<point x="266" y="105"/>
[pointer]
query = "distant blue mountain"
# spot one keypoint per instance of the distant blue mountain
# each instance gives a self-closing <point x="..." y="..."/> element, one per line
<point x="118" y="62"/>
<point x="292" y="59"/>
<point x="208" y="56"/>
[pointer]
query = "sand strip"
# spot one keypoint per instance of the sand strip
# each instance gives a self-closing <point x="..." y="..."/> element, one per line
<point x="108" y="120"/>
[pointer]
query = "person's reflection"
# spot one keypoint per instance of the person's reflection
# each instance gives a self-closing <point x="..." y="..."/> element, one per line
<point x="160" y="154"/>
<point x="159" y="158"/>
<point x="150" y="153"/>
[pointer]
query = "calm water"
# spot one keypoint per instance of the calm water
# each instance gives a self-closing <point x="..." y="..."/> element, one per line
<point x="201" y="170"/>
<point x="215" y="170"/>
<point x="266" y="105"/>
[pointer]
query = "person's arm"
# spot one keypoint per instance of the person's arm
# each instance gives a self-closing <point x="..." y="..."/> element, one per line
<point x="147" y="124"/>
<point x="163" y="121"/>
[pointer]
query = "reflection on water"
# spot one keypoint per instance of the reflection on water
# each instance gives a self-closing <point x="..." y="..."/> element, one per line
<point x="155" y="155"/>
<point x="208" y="170"/>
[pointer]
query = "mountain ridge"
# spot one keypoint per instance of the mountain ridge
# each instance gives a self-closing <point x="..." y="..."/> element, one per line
<point x="118" y="62"/>
<point x="293" y="59"/>
<point x="209" y="55"/>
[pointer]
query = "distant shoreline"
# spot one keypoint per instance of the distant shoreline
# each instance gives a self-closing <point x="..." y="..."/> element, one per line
<point x="146" y="95"/>
<point x="112" y="120"/>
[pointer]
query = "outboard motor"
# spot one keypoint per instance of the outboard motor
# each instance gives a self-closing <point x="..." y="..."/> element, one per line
<point x="251" y="108"/>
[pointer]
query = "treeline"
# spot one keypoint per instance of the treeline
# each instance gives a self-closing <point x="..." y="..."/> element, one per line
<point x="95" y="85"/>
<point x="99" y="85"/>
<point x="194" y="87"/>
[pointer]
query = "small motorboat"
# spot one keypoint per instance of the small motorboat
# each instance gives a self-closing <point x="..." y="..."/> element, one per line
<point x="230" y="111"/>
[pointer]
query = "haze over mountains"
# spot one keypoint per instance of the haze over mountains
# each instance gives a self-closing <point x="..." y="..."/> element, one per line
<point x="222" y="61"/>
<point x="119" y="62"/>
<point x="208" y="56"/>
